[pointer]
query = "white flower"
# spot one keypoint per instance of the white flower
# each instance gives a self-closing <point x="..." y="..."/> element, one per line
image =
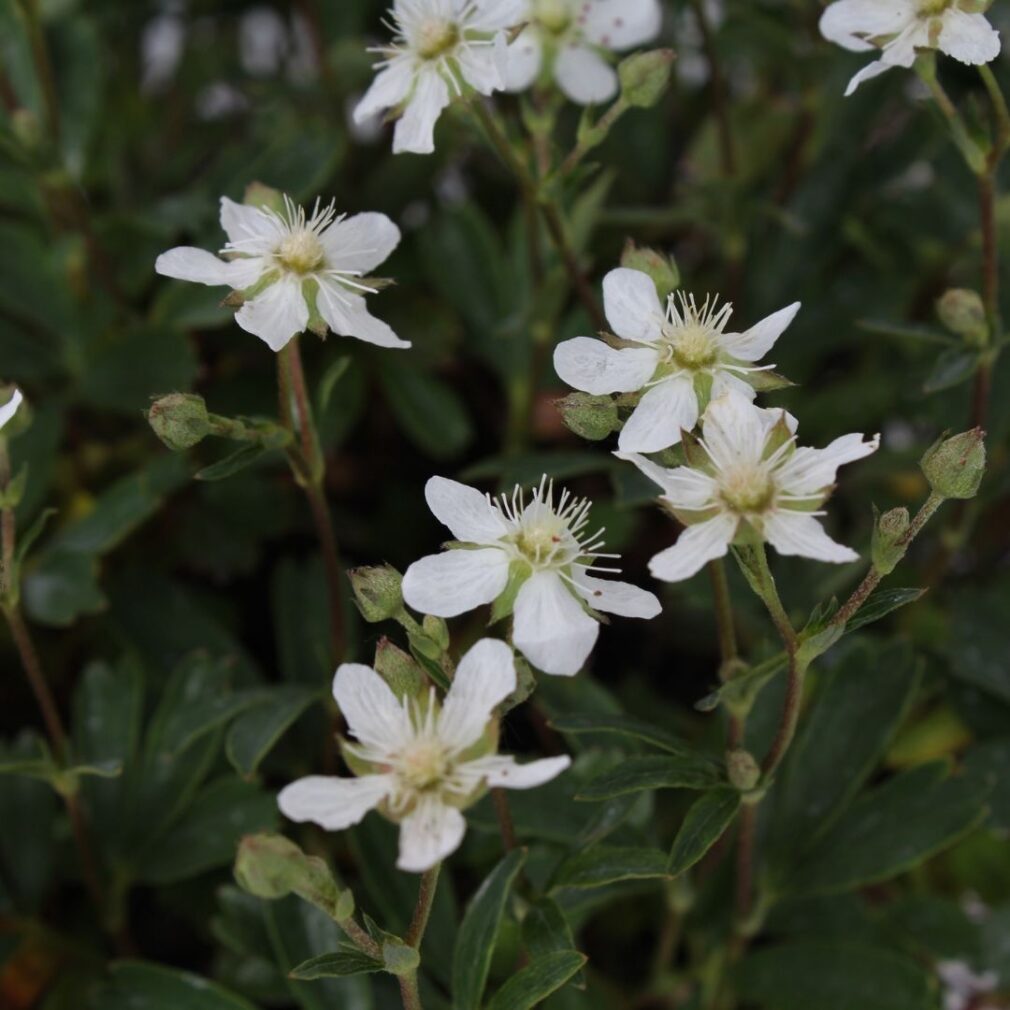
<point x="535" y="559"/>
<point x="570" y="37"/>
<point x="749" y="475"/>
<point x="900" y="27"/>
<point x="681" y="357"/>
<point x="420" y="762"/>
<point x="962" y="986"/>
<point x="10" y="408"/>
<point x="438" y="45"/>
<point x="282" y="261"/>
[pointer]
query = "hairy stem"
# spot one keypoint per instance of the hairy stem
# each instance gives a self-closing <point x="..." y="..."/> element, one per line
<point x="504" y="815"/>
<point x="409" y="993"/>
<point x="422" y="910"/>
<point x="728" y="654"/>
<point x="309" y="466"/>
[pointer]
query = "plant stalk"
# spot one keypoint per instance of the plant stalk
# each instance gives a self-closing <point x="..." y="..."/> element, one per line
<point x="422" y="910"/>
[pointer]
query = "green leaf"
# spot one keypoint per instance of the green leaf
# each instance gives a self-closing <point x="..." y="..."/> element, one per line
<point x="653" y="771"/>
<point x="61" y="587"/>
<point x="977" y="646"/>
<point x="742" y="690"/>
<point x="710" y="815"/>
<point x="954" y="366"/>
<point x="475" y="944"/>
<point x="858" y="706"/>
<point x="535" y="982"/>
<point x="337" y="965"/>
<point x="135" y="985"/>
<point x="811" y="975"/>
<point x="989" y="762"/>
<point x="880" y="604"/>
<point x="335" y="371"/>
<point x="546" y="930"/>
<point x="915" y="333"/>
<point x="235" y="462"/>
<point x="891" y="829"/>
<point x="256" y="731"/>
<point x="209" y="832"/>
<point x="606" y="864"/>
<point x="429" y="411"/>
<point x="621" y="725"/>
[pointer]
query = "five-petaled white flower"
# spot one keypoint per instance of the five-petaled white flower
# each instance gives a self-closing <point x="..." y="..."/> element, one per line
<point x="418" y="761"/>
<point x="749" y="477"/>
<point x="438" y="46"/>
<point x="900" y="27"/>
<point x="534" y="560"/>
<point x="681" y="357"/>
<point x="10" y="408"/>
<point x="283" y="262"/>
<point x="568" y="38"/>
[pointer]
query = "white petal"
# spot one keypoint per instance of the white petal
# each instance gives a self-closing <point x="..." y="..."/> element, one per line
<point x="849" y="23"/>
<point x="800" y="533"/>
<point x="456" y="581"/>
<point x="485" y="677"/>
<point x="632" y="305"/>
<point x="733" y="431"/>
<point x="374" y="714"/>
<point x="484" y="68"/>
<point x="415" y="130"/>
<point x="390" y="87"/>
<point x="551" y="629"/>
<point x="595" y="367"/>
<point x="360" y="243"/>
<point x="333" y="803"/>
<point x="464" y="511"/>
<point x="346" y="313"/>
<point x="201" y="267"/>
<point x="697" y="546"/>
<point x="584" y="76"/>
<point x="665" y="410"/>
<point x="622" y="24"/>
<point x="10" y="408"/>
<point x="683" y="487"/>
<point x="968" y="37"/>
<point x="525" y="57"/>
<point x="758" y="340"/>
<point x="243" y="223"/>
<point x="494" y="15"/>
<point x="724" y="382"/>
<point x="428" y="834"/>
<point x="811" y="470"/>
<point x="505" y="772"/>
<point x="621" y="598"/>
<point x="276" y="314"/>
<point x="900" y="51"/>
<point x="868" y="72"/>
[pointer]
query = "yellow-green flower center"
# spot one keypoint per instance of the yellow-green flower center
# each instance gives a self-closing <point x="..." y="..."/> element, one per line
<point x="554" y="15"/>
<point x="930" y="8"/>
<point x="436" y="37"/>
<point x="693" y="346"/>
<point x="539" y="542"/>
<point x="747" y="489"/>
<point x="301" y="253"/>
<point x="423" y="764"/>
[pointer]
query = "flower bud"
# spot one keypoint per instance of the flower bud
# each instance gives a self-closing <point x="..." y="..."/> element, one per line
<point x="377" y="592"/>
<point x="590" y="417"/>
<point x="963" y="313"/>
<point x="889" y="544"/>
<point x="955" y="466"/>
<point x="400" y="958"/>
<point x="662" y="269"/>
<point x="743" y="770"/>
<point x="180" y="420"/>
<point x="272" y="867"/>
<point x="644" y="77"/>
<point x="398" y="669"/>
<point x="259" y="195"/>
<point x="437" y="630"/>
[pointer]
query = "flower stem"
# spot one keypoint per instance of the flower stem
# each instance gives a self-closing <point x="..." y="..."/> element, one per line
<point x="728" y="654"/>
<point x="720" y="108"/>
<point x="973" y="155"/>
<point x="422" y="910"/>
<point x="504" y="815"/>
<point x="409" y="993"/>
<point x="309" y="467"/>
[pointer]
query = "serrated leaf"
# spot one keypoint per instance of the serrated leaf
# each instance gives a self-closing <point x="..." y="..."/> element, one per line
<point x="710" y="815"/>
<point x="621" y="725"/>
<point x="881" y="603"/>
<point x="653" y="771"/>
<point x="471" y="958"/>
<point x="233" y="463"/>
<point x="337" y="965"/>
<point x="891" y="829"/>
<point x="605" y="864"/>
<point x="534" y="983"/>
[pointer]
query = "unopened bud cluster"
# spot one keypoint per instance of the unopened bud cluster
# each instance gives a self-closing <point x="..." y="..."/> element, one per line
<point x="955" y="466"/>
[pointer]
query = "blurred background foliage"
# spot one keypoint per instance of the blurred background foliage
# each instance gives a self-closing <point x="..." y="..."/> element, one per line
<point x="184" y="623"/>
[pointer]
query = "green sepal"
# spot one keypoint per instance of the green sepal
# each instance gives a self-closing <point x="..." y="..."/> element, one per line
<point x="767" y="382"/>
<point x="398" y="669"/>
<point x="519" y="572"/>
<point x="316" y="323"/>
<point x="703" y="390"/>
<point x="780" y="435"/>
